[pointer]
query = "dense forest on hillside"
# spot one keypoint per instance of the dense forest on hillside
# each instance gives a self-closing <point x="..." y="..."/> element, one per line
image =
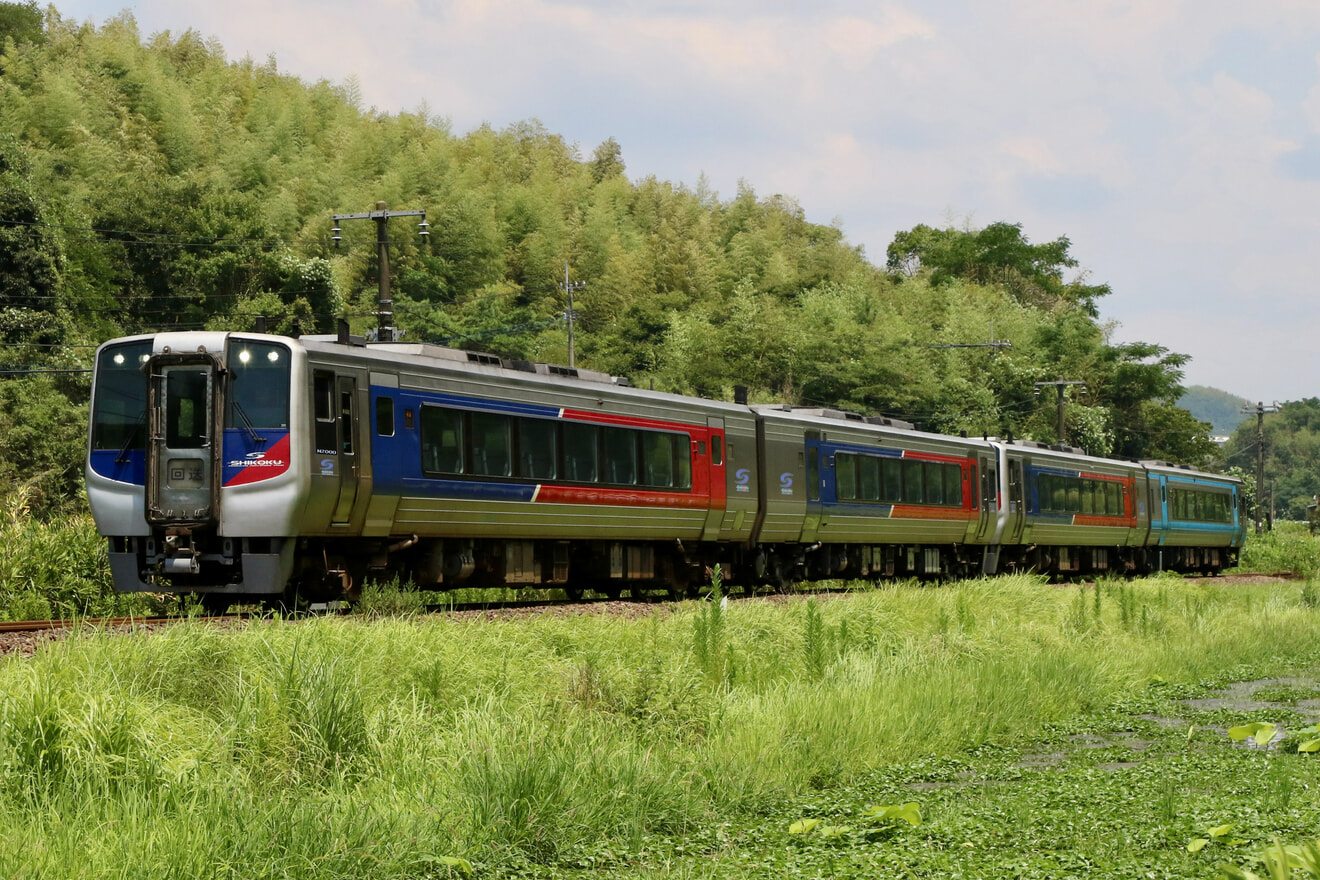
<point x="148" y="183"/>
<point x="1224" y="411"/>
<point x="1292" y="455"/>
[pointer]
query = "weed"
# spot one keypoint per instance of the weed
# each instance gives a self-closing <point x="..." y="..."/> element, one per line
<point x="815" y="642"/>
<point x="713" y="654"/>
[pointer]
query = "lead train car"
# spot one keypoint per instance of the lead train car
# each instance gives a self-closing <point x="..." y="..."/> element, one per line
<point x="236" y="465"/>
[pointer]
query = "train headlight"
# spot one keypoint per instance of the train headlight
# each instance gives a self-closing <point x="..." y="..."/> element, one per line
<point x="244" y="356"/>
<point x="119" y="359"/>
<point x="273" y="356"/>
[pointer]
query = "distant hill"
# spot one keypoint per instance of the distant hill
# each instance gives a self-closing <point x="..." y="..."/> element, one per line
<point x="1219" y="408"/>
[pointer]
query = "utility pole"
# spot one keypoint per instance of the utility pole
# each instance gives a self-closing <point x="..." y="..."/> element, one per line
<point x="385" y="307"/>
<point x="1061" y="384"/>
<point x="994" y="345"/>
<point x="568" y="288"/>
<point x="1260" y="411"/>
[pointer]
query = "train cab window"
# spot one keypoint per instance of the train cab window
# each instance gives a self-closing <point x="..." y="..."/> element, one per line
<point x="491" y="447"/>
<point x="620" y="448"/>
<point x="580" y="454"/>
<point x="913" y="492"/>
<point x="119" y="419"/>
<point x="442" y="440"/>
<point x="845" y="476"/>
<point x="385" y="416"/>
<point x="258" y="385"/>
<point x="868" y="478"/>
<point x="891" y="480"/>
<point x="953" y="485"/>
<point x="716" y="449"/>
<point x="538" y="452"/>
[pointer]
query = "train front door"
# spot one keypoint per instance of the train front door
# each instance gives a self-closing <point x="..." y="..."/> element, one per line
<point x="182" y="452"/>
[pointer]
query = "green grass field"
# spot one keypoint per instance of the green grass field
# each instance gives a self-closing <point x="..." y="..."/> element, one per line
<point x="1040" y="729"/>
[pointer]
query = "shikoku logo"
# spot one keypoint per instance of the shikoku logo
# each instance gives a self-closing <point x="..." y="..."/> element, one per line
<point x="743" y="478"/>
<point x="256" y="459"/>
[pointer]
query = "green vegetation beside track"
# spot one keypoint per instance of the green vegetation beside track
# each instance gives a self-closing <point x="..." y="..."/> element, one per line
<point x="1041" y="731"/>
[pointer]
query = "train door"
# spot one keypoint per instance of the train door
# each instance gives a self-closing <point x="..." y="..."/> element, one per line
<point x="719" y="490"/>
<point x="346" y="434"/>
<point x="987" y="528"/>
<point x="989" y="495"/>
<point x="811" y="523"/>
<point x="1017" y="512"/>
<point x="182" y="454"/>
<point x="336" y="474"/>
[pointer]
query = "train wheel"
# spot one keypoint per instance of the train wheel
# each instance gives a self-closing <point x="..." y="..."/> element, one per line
<point x="216" y="604"/>
<point x="780" y="574"/>
<point x="682" y="586"/>
<point x="573" y="592"/>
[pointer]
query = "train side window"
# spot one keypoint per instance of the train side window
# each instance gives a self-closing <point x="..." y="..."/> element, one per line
<point x="716" y="449"/>
<point x="323" y="405"/>
<point x="491" y="447"/>
<point x="580" y="455"/>
<point x="868" y="478"/>
<point x="912" y="488"/>
<point x="891" y="480"/>
<point x="934" y="483"/>
<point x="953" y="485"/>
<point x="385" y="416"/>
<point x="658" y="459"/>
<point x="442" y="440"/>
<point x="1059" y="494"/>
<point x="1088" y="497"/>
<point x="346" y="421"/>
<point x="845" y="476"/>
<point x="537" y="449"/>
<point x="620" y="447"/>
<point x="683" y="461"/>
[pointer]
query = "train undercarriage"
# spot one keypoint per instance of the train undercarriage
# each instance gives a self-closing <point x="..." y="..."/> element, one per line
<point x="312" y="570"/>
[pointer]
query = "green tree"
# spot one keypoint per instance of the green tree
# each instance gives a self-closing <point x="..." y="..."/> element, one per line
<point x="997" y="254"/>
<point x="21" y="23"/>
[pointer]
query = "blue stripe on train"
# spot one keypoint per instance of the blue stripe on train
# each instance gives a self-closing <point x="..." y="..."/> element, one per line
<point x="133" y="469"/>
<point x="469" y="490"/>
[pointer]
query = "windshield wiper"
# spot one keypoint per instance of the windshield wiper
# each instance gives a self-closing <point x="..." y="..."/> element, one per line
<point x="122" y="457"/>
<point x="247" y="423"/>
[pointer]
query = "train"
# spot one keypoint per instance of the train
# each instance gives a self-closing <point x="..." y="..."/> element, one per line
<point x="245" y="467"/>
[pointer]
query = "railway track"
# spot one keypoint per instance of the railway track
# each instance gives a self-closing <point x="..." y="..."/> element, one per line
<point x="10" y="629"/>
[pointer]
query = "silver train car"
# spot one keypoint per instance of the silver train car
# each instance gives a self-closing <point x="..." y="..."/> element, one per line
<point x="245" y="466"/>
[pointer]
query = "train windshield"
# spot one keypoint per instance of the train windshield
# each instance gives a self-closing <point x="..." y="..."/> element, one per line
<point x="119" y="420"/>
<point x="258" y="385"/>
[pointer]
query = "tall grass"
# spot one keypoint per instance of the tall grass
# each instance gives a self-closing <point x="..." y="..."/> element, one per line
<point x="58" y="568"/>
<point x="1289" y="546"/>
<point x="377" y="747"/>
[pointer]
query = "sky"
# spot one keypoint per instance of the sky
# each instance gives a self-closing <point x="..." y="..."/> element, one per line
<point x="1176" y="144"/>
